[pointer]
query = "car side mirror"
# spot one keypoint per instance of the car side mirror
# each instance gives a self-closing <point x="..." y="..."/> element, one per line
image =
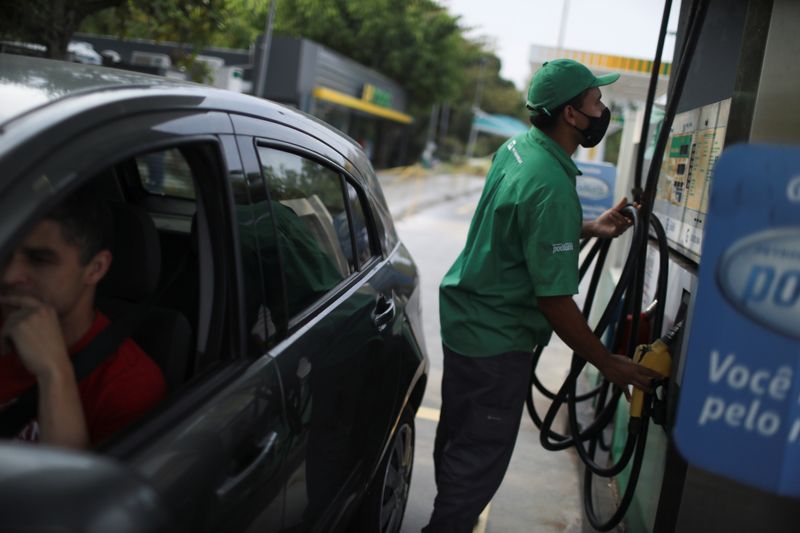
<point x="44" y="488"/>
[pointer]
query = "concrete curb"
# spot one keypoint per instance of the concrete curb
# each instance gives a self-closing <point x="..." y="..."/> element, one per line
<point x="410" y="210"/>
<point x="405" y="197"/>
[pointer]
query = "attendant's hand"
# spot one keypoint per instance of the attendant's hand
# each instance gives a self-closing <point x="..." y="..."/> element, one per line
<point x="612" y="223"/>
<point x="623" y="371"/>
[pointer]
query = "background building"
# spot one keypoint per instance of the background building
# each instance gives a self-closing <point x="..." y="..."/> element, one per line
<point x="361" y="102"/>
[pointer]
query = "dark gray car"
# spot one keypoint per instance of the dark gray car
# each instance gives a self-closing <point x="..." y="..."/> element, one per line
<point x="274" y="293"/>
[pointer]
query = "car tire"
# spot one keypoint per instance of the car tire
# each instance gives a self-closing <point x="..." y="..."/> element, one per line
<point x="385" y="502"/>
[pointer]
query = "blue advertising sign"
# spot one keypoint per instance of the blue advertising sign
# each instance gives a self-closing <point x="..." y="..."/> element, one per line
<point x="739" y="409"/>
<point x="595" y="187"/>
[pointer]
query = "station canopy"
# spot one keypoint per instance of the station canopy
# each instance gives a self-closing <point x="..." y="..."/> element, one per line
<point x="630" y="89"/>
<point x="501" y="125"/>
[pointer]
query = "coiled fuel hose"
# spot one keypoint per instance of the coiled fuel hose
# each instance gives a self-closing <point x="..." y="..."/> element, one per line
<point x="625" y="300"/>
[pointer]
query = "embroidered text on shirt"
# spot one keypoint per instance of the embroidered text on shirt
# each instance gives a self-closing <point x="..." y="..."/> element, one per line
<point x="563" y="247"/>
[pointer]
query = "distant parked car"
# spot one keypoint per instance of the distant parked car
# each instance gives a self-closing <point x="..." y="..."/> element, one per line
<point x="83" y="52"/>
<point x="280" y="305"/>
<point x="77" y="51"/>
<point x="111" y="56"/>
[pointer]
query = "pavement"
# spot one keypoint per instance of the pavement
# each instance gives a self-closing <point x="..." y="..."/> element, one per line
<point x="541" y="491"/>
<point x="412" y="189"/>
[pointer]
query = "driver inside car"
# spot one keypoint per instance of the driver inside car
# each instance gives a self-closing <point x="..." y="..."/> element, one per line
<point x="47" y="315"/>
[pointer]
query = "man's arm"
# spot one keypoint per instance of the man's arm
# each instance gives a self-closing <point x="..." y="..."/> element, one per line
<point x="35" y="332"/>
<point x="61" y="418"/>
<point x="568" y="322"/>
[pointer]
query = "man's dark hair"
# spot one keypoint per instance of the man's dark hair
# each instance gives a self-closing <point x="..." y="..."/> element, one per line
<point x="85" y="221"/>
<point x="546" y="122"/>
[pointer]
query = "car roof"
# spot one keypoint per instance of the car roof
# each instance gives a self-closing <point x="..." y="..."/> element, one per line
<point x="29" y="85"/>
<point x="44" y="102"/>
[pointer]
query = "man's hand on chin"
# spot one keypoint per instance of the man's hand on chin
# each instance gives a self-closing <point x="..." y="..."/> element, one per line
<point x="33" y="329"/>
<point x="35" y="332"/>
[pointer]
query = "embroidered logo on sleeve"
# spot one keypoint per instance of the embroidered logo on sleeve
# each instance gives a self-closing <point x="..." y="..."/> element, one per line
<point x="512" y="147"/>
<point x="563" y="247"/>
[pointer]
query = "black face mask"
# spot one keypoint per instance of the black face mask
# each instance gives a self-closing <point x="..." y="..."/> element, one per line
<point x="594" y="133"/>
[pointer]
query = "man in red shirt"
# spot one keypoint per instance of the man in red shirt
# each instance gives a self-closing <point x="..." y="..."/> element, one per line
<point x="47" y="311"/>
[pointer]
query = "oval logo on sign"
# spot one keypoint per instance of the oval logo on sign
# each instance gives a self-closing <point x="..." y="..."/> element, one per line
<point x="793" y="190"/>
<point x="760" y="276"/>
<point x="591" y="188"/>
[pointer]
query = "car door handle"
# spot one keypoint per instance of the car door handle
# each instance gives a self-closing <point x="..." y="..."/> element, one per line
<point x="265" y="448"/>
<point x="384" y="312"/>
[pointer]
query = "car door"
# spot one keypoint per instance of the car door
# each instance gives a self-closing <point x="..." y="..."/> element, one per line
<point x="335" y="368"/>
<point x="211" y="449"/>
<point x="217" y="462"/>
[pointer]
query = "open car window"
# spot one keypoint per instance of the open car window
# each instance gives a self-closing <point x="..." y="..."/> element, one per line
<point x="166" y="173"/>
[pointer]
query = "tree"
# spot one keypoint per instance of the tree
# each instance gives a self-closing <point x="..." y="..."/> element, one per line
<point x="242" y="23"/>
<point x="191" y="22"/>
<point x="417" y="43"/>
<point x="53" y="22"/>
<point x="481" y="68"/>
<point x="48" y="22"/>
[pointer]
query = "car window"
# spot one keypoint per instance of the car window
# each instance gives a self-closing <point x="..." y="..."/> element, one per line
<point x="260" y="263"/>
<point x="166" y="173"/>
<point x="359" y="224"/>
<point x="311" y="217"/>
<point x="188" y="283"/>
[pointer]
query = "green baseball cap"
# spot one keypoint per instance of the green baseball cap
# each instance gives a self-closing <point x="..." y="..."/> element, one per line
<point x="559" y="81"/>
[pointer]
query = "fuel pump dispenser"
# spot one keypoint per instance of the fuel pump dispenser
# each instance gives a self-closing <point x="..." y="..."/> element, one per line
<point x="734" y="80"/>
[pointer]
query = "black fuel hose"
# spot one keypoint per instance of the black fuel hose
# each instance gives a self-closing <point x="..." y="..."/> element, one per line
<point x="627" y="296"/>
<point x="651" y="96"/>
<point x="696" y="19"/>
<point x="549" y="439"/>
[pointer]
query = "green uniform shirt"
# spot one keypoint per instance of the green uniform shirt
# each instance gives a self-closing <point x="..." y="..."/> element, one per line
<point x="522" y="244"/>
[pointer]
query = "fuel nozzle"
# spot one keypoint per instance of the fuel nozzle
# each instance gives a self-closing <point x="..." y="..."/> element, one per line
<point x="655" y="356"/>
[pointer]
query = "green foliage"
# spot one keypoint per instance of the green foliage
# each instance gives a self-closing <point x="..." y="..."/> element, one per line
<point x="53" y="23"/>
<point x="417" y="43"/>
<point x="243" y="22"/>
<point x="46" y="22"/>
<point x="190" y="22"/>
<point x="494" y="95"/>
<point x="197" y="71"/>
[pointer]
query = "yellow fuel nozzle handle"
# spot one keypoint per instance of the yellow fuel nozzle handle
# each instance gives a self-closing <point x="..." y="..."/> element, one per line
<point x="655" y="356"/>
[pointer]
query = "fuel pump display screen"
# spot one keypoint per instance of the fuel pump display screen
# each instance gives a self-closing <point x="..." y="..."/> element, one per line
<point x="694" y="145"/>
